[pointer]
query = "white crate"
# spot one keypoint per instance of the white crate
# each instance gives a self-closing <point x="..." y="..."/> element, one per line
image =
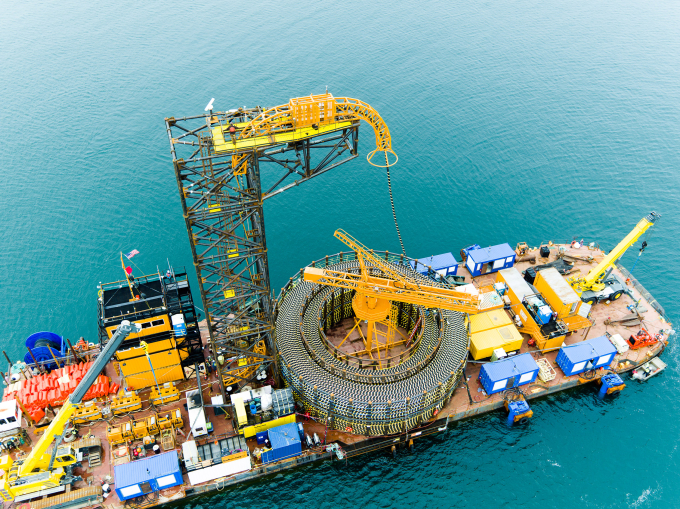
<point x="545" y="371"/>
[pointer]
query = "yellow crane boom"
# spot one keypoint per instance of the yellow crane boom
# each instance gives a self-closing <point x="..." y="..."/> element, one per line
<point x="389" y="289"/>
<point x="594" y="280"/>
<point x="395" y="286"/>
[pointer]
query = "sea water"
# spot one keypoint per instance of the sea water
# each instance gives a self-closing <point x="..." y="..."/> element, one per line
<point x="513" y="121"/>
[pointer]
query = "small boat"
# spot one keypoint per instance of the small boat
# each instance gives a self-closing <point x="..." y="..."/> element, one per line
<point x="649" y="369"/>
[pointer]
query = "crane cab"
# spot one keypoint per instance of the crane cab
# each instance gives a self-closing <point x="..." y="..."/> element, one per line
<point x="66" y="456"/>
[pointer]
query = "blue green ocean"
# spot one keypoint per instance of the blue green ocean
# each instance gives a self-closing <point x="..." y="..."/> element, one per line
<point x="513" y="121"/>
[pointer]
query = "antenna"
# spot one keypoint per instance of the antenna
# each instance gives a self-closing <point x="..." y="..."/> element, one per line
<point x="209" y="107"/>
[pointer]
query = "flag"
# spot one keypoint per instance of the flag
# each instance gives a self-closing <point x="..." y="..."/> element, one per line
<point x="131" y="254"/>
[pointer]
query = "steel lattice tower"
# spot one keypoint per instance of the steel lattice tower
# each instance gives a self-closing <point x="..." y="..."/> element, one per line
<point x="222" y="192"/>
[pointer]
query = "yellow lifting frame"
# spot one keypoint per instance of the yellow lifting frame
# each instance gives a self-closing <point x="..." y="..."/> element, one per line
<point x="395" y="286"/>
<point x="302" y="118"/>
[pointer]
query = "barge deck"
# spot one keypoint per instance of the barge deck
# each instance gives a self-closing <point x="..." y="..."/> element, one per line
<point x="467" y="400"/>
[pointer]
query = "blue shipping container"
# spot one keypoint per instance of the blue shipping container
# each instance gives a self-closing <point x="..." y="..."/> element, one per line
<point x="285" y="442"/>
<point x="444" y="264"/>
<point x="507" y="373"/>
<point x="495" y="258"/>
<point x="153" y="473"/>
<point x="591" y="354"/>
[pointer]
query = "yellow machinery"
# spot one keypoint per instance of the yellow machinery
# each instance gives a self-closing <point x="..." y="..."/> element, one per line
<point x="598" y="285"/>
<point x="44" y="473"/>
<point x="125" y="402"/>
<point x="301" y="118"/>
<point x="119" y="434"/>
<point x="152" y="425"/>
<point x="168" y="393"/>
<point x="164" y="423"/>
<point x="176" y="418"/>
<point x="553" y="291"/>
<point x="172" y="420"/>
<point x="372" y="300"/>
<point x="160" y="360"/>
<point x="87" y="412"/>
<point x="246" y="366"/>
<point x="491" y="330"/>
<point x="140" y="429"/>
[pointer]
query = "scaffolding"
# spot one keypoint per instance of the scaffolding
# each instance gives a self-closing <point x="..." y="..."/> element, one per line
<point x="226" y="165"/>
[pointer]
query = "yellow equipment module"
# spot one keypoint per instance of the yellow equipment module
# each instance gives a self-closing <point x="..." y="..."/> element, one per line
<point x="87" y="412"/>
<point x="491" y="330"/>
<point x="125" y="402"/>
<point x="168" y="393"/>
<point x="241" y="417"/>
<point x="482" y="344"/>
<point x="518" y="289"/>
<point x="118" y="434"/>
<point x="489" y="320"/>
<point x="150" y="326"/>
<point x="140" y="429"/>
<point x="557" y="292"/>
<point x="152" y="425"/>
<point x="138" y="374"/>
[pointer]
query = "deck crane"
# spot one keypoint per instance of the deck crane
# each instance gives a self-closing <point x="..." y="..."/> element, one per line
<point x="600" y="284"/>
<point x="374" y="293"/>
<point x="37" y="474"/>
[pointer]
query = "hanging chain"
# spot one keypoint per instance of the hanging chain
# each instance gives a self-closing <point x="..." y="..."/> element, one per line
<point x="394" y="213"/>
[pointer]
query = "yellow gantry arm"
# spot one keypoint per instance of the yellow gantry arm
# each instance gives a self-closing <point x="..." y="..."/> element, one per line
<point x="309" y="116"/>
<point x="365" y="255"/>
<point x="388" y="289"/>
<point x="395" y="286"/>
<point x="596" y="274"/>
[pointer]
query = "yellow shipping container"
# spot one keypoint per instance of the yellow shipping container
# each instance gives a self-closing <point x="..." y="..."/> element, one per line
<point x="489" y="320"/>
<point x="557" y="292"/>
<point x="482" y="344"/>
<point x="518" y="288"/>
<point x="166" y="365"/>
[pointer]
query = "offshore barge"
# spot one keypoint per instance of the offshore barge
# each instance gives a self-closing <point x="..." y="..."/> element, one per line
<point x="362" y="350"/>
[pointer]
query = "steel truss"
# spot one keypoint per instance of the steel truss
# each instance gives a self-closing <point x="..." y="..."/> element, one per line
<point x="222" y="196"/>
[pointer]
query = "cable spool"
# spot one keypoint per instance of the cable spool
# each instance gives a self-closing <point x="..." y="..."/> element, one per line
<point x="45" y="347"/>
<point x="46" y="342"/>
